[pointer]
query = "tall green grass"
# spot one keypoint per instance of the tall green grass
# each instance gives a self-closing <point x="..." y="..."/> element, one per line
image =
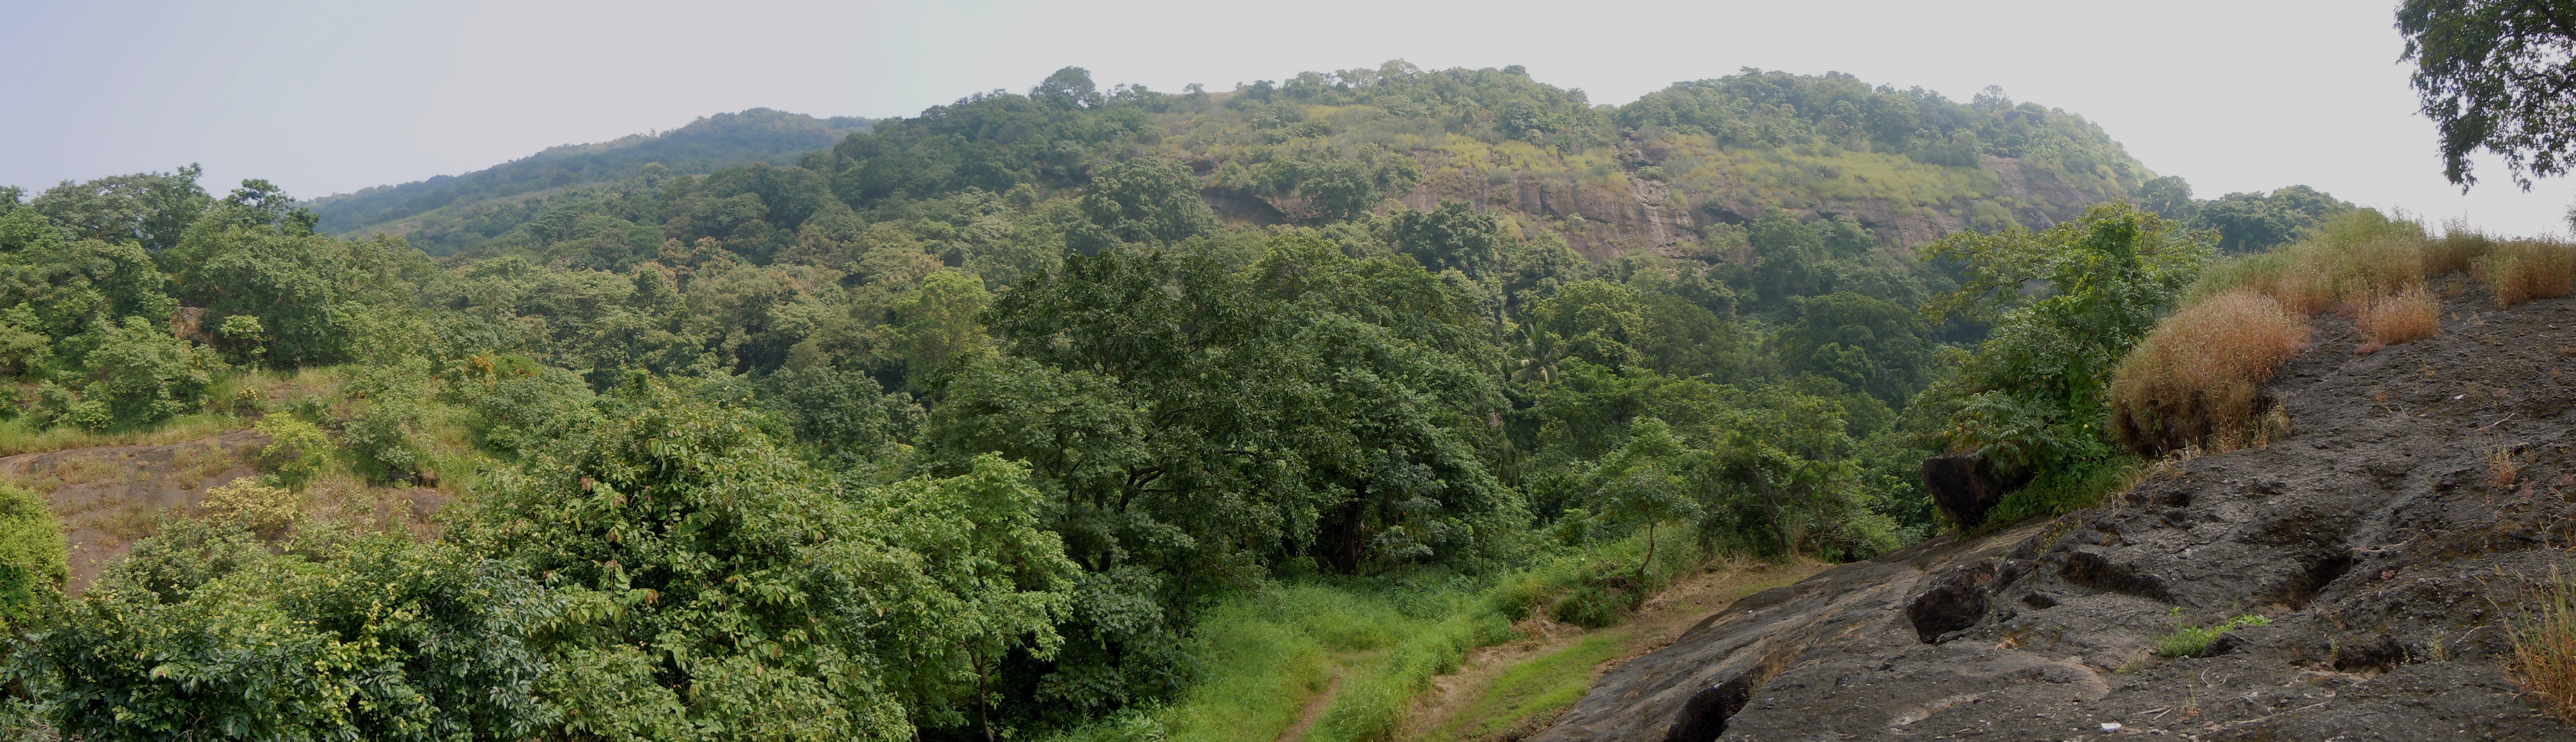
<point x="1266" y="655"/>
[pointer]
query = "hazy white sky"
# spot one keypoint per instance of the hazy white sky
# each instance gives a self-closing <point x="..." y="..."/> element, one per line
<point x="331" y="97"/>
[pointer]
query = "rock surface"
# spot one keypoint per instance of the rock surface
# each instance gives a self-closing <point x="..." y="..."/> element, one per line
<point x="2388" y="554"/>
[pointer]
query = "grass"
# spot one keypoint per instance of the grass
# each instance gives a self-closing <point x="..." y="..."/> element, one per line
<point x="2193" y="381"/>
<point x="2196" y="379"/>
<point x="2503" y="470"/>
<point x="2544" y="648"/>
<point x="1268" y="654"/>
<point x="2523" y="270"/>
<point x="20" y="435"/>
<point x="2403" y="317"/>
<point x="1535" y="690"/>
<point x="2190" y="641"/>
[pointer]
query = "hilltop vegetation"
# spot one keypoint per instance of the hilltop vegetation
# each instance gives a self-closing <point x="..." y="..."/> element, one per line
<point x="962" y="426"/>
<point x="1321" y="147"/>
<point x="724" y="140"/>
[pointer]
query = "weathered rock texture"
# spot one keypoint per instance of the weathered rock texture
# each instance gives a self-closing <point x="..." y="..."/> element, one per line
<point x="2387" y="553"/>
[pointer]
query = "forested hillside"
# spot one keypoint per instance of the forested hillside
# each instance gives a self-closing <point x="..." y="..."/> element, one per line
<point x="724" y="140"/>
<point x="967" y="424"/>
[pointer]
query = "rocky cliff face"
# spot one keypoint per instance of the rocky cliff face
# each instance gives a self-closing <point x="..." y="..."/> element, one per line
<point x="2384" y="542"/>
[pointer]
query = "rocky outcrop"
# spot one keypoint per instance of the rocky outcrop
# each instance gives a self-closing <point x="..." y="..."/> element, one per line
<point x="2383" y="543"/>
<point x="1966" y="485"/>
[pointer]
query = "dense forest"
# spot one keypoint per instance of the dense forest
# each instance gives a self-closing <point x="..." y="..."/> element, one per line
<point x="960" y="426"/>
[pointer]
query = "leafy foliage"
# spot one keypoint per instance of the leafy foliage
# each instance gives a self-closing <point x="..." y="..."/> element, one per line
<point x="967" y="424"/>
<point x="2033" y="394"/>
<point x="33" y="563"/>
<point x="2492" y="75"/>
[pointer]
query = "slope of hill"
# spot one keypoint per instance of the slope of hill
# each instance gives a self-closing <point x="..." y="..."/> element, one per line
<point x="1681" y="171"/>
<point x="2383" y="544"/>
<point x="708" y="144"/>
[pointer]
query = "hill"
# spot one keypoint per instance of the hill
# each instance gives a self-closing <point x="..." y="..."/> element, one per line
<point x="1682" y="171"/>
<point x="706" y="145"/>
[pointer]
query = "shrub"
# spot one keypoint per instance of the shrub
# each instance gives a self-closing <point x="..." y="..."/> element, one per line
<point x="1603" y="594"/>
<point x="2544" y="648"/>
<point x="246" y="504"/>
<point x="2524" y="270"/>
<point x="2195" y="381"/>
<point x="33" y="563"/>
<point x="2404" y="317"/>
<point x="297" y="451"/>
<point x="201" y="633"/>
<point x="142" y="375"/>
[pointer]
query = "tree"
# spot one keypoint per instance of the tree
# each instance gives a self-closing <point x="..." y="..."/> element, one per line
<point x="938" y="321"/>
<point x="1596" y="320"/>
<point x="2168" y="196"/>
<point x="145" y="376"/>
<point x="1648" y="481"/>
<point x="724" y="588"/>
<point x="2495" y="75"/>
<point x="1451" y="236"/>
<point x="149" y="209"/>
<point x="842" y="413"/>
<point x="1788" y="257"/>
<point x="2032" y="393"/>
<point x="2254" y="222"/>
<point x="1147" y="199"/>
<point x="1872" y="346"/>
<point x="1068" y="88"/>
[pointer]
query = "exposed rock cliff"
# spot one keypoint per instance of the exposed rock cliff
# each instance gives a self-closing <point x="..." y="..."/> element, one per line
<point x="2381" y="542"/>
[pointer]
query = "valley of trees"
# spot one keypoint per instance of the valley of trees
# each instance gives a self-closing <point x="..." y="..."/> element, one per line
<point x="955" y="428"/>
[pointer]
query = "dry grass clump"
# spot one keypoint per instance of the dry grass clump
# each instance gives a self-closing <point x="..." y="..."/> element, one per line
<point x="2503" y="470"/>
<point x="2196" y="380"/>
<point x="2544" y="648"/>
<point x="2403" y="317"/>
<point x="2458" y="246"/>
<point x="2347" y="263"/>
<point x="2523" y="270"/>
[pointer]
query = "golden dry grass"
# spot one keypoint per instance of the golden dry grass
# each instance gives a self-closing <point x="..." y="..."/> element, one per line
<point x="2196" y="380"/>
<point x="2523" y="270"/>
<point x="2544" y="648"/>
<point x="2403" y="317"/>
<point x="2503" y="470"/>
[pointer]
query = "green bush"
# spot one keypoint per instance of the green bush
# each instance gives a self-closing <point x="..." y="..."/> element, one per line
<point x="33" y="563"/>
<point x="297" y="451"/>
<point x="203" y="633"/>
<point x="1603" y="595"/>
<point x="142" y="375"/>
<point x="386" y="433"/>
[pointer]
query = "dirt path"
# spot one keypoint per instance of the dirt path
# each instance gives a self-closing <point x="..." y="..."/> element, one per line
<point x="1314" y="710"/>
<point x="1487" y="700"/>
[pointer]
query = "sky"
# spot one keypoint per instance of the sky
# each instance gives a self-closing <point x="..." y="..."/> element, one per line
<point x="331" y="97"/>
